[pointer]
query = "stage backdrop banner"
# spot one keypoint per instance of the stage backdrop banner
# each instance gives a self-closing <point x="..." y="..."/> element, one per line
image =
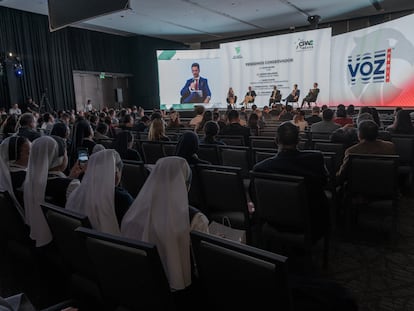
<point x="374" y="66"/>
<point x="298" y="58"/>
<point x="174" y="69"/>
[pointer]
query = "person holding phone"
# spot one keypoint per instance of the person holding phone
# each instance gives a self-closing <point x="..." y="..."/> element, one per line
<point x="100" y="196"/>
<point x="196" y="89"/>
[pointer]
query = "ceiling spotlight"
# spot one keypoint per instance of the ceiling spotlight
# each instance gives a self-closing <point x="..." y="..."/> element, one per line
<point x="314" y="19"/>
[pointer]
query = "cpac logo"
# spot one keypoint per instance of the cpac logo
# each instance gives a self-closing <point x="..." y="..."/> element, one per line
<point x="304" y="44"/>
<point x="370" y="67"/>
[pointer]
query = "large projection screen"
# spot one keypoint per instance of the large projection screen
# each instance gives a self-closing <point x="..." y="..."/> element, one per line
<point x="374" y="66"/>
<point x="299" y="58"/>
<point x="174" y="69"/>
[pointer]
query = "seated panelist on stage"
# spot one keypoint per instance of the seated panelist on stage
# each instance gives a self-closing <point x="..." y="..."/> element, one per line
<point x="293" y="95"/>
<point x="312" y="95"/>
<point x="250" y="97"/>
<point x="275" y="97"/>
<point x="231" y="98"/>
<point x="196" y="89"/>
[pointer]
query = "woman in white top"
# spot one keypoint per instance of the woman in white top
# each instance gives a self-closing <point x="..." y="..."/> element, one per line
<point x="160" y="215"/>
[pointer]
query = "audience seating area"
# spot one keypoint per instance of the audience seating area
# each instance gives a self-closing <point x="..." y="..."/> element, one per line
<point x="108" y="272"/>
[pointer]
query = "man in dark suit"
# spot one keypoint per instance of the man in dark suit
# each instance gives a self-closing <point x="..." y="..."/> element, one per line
<point x="234" y="127"/>
<point x="196" y="89"/>
<point x="293" y="96"/>
<point x="275" y="97"/>
<point x="309" y="164"/>
<point x="312" y="95"/>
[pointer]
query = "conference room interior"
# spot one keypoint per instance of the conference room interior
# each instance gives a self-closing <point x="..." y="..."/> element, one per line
<point x="370" y="259"/>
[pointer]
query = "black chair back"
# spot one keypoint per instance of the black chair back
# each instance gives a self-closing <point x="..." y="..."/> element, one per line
<point x="134" y="175"/>
<point x="209" y="153"/>
<point x="259" y="278"/>
<point x="224" y="194"/>
<point x="130" y="272"/>
<point x="152" y="151"/>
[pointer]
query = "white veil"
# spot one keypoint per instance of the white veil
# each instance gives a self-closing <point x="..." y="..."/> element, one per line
<point x="5" y="178"/>
<point x="95" y="197"/>
<point x="160" y="215"/>
<point x="43" y="155"/>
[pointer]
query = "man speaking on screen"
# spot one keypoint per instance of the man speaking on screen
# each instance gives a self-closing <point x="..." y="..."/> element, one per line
<point x="196" y="89"/>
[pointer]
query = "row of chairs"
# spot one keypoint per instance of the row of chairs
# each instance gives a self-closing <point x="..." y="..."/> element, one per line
<point x="129" y="275"/>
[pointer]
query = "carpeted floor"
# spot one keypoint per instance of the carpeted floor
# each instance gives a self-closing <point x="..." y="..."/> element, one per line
<point x="378" y="270"/>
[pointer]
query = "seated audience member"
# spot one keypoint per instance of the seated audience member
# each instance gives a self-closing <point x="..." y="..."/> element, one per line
<point x="348" y="134"/>
<point x="123" y="145"/>
<point x="9" y="126"/>
<point x="99" y="196"/>
<point x="253" y="124"/>
<point x="44" y="178"/>
<point x="299" y="121"/>
<point x="60" y="129"/>
<point x="368" y="144"/>
<point x="376" y="117"/>
<point x="275" y="111"/>
<point x="187" y="148"/>
<point x="234" y="127"/>
<point x="174" y="121"/>
<point x="326" y="125"/>
<point x="350" y="111"/>
<point x="157" y="131"/>
<point x="165" y="220"/>
<point x="101" y="131"/>
<point x="82" y="138"/>
<point x="342" y="118"/>
<point x="286" y="114"/>
<point x="217" y="118"/>
<point x="143" y="124"/>
<point x="48" y="122"/>
<point x="402" y="123"/>
<point x="211" y="130"/>
<point x="27" y="126"/>
<point x="199" y="110"/>
<point x="243" y="118"/>
<point x="18" y="157"/>
<point x="111" y="127"/>
<point x="14" y="156"/>
<point x="207" y="116"/>
<point x="59" y="186"/>
<point x="315" y="117"/>
<point x="309" y="164"/>
<point x="128" y="123"/>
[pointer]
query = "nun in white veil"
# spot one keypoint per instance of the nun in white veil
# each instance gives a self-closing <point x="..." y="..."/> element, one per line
<point x="160" y="215"/>
<point x="95" y="197"/>
<point x="46" y="154"/>
<point x="5" y="176"/>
